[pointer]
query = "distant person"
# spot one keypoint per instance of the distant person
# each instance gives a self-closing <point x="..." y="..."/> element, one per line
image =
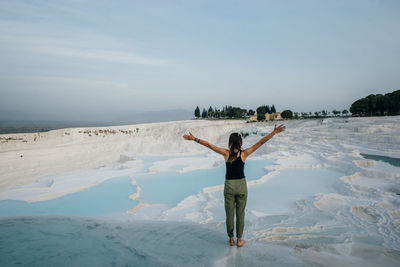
<point x="235" y="189"/>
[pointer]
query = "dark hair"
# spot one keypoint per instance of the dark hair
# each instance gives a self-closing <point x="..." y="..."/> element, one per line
<point x="235" y="142"/>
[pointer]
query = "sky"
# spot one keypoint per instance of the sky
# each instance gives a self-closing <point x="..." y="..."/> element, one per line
<point x="72" y="60"/>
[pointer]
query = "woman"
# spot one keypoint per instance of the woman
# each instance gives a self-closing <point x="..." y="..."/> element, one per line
<point x="235" y="189"/>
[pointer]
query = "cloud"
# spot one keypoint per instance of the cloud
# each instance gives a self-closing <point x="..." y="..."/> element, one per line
<point x="75" y="82"/>
<point x="70" y="42"/>
<point x="106" y="55"/>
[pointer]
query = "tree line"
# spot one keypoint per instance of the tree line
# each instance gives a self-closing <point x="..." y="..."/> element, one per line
<point x="231" y="112"/>
<point x="371" y="105"/>
<point x="288" y="114"/>
<point x="377" y="105"/>
<point x="237" y="112"/>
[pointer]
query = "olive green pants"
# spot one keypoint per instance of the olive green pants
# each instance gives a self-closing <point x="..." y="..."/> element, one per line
<point x="235" y="196"/>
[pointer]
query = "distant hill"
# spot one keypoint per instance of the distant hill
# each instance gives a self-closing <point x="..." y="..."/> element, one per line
<point x="155" y="116"/>
<point x="19" y="122"/>
<point x="33" y="126"/>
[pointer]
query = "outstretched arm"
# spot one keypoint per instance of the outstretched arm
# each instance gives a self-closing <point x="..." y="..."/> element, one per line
<point x="219" y="150"/>
<point x="276" y="130"/>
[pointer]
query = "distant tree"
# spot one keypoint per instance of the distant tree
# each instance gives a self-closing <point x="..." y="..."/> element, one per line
<point x="335" y="112"/>
<point x="304" y="114"/>
<point x="386" y="104"/>
<point x="273" y="110"/>
<point x="217" y="113"/>
<point x="345" y="112"/>
<point x="236" y="112"/>
<point x="316" y="113"/>
<point x="261" y="110"/>
<point x="197" y="112"/>
<point x="372" y="103"/>
<point x="380" y="105"/>
<point x="324" y="113"/>
<point x="204" y="113"/>
<point x="377" y="105"/>
<point x="210" y="112"/>
<point x="358" y="107"/>
<point x="296" y="115"/>
<point x="287" y="114"/>
<point x="395" y="102"/>
<point x="240" y="112"/>
<point x="251" y="112"/>
<point x="260" y="116"/>
<point x="229" y="112"/>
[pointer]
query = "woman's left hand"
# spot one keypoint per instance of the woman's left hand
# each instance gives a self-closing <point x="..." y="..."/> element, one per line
<point x="189" y="136"/>
<point x="279" y="129"/>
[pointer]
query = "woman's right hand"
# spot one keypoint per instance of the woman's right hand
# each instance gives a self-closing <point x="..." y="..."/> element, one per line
<point x="189" y="136"/>
<point x="279" y="129"/>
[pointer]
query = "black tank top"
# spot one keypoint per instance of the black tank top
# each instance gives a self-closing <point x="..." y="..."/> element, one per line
<point x="234" y="170"/>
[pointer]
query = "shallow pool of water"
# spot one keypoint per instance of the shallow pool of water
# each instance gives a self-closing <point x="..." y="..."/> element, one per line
<point x="74" y="241"/>
<point x="172" y="187"/>
<point x="111" y="196"/>
<point x="392" y="161"/>
<point x="279" y="194"/>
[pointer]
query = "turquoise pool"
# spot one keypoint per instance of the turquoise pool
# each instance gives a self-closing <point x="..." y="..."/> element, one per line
<point x="112" y="196"/>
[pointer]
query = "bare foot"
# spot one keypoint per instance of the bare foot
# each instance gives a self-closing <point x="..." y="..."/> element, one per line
<point x="240" y="242"/>
<point x="231" y="241"/>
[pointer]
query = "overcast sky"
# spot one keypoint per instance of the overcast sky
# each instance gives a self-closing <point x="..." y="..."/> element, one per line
<point x="85" y="59"/>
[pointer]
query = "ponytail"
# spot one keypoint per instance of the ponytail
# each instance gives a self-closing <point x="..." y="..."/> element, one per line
<point x="235" y="142"/>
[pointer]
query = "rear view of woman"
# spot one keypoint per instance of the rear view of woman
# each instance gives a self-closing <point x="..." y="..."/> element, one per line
<point x="235" y="189"/>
